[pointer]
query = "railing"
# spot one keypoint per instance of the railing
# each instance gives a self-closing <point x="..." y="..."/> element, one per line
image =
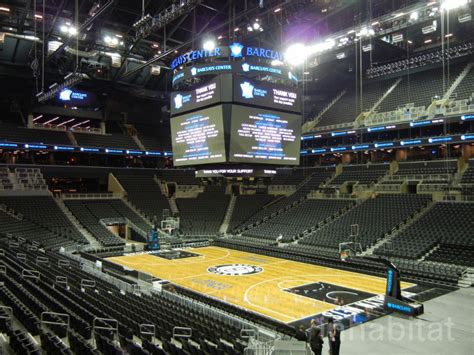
<point x="92" y="196"/>
<point x="421" y="177"/>
<point x="227" y="318"/>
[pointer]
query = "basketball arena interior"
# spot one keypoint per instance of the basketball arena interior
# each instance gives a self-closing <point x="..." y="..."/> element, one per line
<point x="237" y="177"/>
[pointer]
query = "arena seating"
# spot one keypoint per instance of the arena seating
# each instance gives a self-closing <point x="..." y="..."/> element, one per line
<point x="364" y="174"/>
<point x="375" y="217"/>
<point x="442" y="167"/>
<point x="115" y="208"/>
<point x="465" y="90"/>
<point x="5" y="182"/>
<point x="105" y="141"/>
<point x="447" y="226"/>
<point x="313" y="182"/>
<point x="30" y="179"/>
<point x="179" y="176"/>
<point x="204" y="214"/>
<point x="468" y="176"/>
<point x="88" y="215"/>
<point x="210" y="335"/>
<point x="10" y="131"/>
<point x="27" y="229"/>
<point x="346" y="109"/>
<point x="145" y="194"/>
<point x="51" y="217"/>
<point x="297" y="220"/>
<point x="418" y="88"/>
<point x="246" y="206"/>
<point x="288" y="176"/>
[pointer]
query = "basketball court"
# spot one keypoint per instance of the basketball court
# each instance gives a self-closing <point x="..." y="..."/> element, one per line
<point x="284" y="290"/>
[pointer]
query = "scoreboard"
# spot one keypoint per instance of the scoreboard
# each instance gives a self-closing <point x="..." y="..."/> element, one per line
<point x="198" y="138"/>
<point x="264" y="136"/>
<point x="237" y="119"/>
<point x="274" y="96"/>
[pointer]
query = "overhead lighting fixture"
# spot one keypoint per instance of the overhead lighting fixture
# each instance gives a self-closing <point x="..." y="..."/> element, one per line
<point x="256" y="25"/>
<point x="209" y="45"/>
<point x="236" y="29"/>
<point x="449" y="5"/>
<point x="38" y="16"/>
<point x="400" y="14"/>
<point x="397" y="38"/>
<point x="414" y="16"/>
<point x="341" y="55"/>
<point x="66" y="122"/>
<point x="375" y="23"/>
<point x="277" y="10"/>
<point x="51" y="120"/>
<point x="69" y="81"/>
<point x="80" y="123"/>
<point x="428" y="41"/>
<point x="113" y="41"/>
<point x="37" y="118"/>
<point x="367" y="48"/>
<point x="68" y="29"/>
<point x="464" y="18"/>
<point x="4" y="9"/>
<point x="296" y="54"/>
<point x="449" y="35"/>
<point x="429" y="29"/>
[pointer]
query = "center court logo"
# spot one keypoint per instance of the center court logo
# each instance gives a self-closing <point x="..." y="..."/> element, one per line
<point x="234" y="269"/>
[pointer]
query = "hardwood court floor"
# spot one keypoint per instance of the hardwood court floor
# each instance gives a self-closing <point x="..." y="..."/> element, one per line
<point x="260" y="292"/>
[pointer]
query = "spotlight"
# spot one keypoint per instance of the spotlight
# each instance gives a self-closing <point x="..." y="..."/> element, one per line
<point x="452" y="4"/>
<point x="296" y="54"/>
<point x="209" y="45"/>
<point x="256" y="25"/>
<point x="414" y="16"/>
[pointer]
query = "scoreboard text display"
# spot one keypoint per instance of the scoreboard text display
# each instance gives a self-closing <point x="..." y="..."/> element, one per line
<point x="264" y="136"/>
<point x="273" y="96"/>
<point x="198" y="138"/>
<point x="204" y="95"/>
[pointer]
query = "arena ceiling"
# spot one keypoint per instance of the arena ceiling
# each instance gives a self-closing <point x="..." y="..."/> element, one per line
<point x="102" y="42"/>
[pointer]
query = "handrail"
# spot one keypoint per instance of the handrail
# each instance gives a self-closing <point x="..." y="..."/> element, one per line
<point x="53" y="315"/>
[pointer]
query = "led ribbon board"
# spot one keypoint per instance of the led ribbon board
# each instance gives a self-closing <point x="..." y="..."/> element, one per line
<point x="243" y="68"/>
<point x="235" y="50"/>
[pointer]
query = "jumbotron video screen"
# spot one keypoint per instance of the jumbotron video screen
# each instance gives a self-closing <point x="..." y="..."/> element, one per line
<point x="198" y="138"/>
<point x="264" y="136"/>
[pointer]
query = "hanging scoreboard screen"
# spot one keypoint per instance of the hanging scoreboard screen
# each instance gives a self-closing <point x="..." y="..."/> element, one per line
<point x="264" y="136"/>
<point x="198" y="138"/>
<point x="273" y="96"/>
